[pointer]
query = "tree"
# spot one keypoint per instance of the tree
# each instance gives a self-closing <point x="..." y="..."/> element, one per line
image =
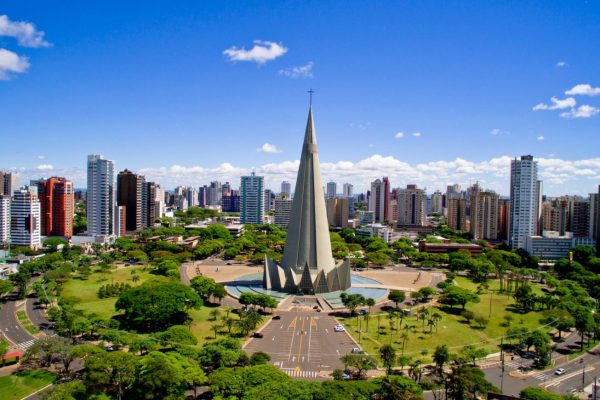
<point x="468" y="315"/>
<point x="424" y="293"/>
<point x="259" y="358"/>
<point x="584" y="323"/>
<point x="481" y="320"/>
<point x="66" y="391"/>
<point x="454" y="295"/>
<point x="535" y="393"/>
<point x="161" y="376"/>
<point x="397" y="296"/>
<point x="441" y="356"/>
<point x="176" y="335"/>
<point x="360" y="363"/>
<point x="352" y="301"/>
<point x="468" y="382"/>
<point x="154" y="305"/>
<point x="370" y="302"/>
<point x="398" y="388"/>
<point x="3" y="349"/>
<point x="387" y="354"/>
<point x="6" y="286"/>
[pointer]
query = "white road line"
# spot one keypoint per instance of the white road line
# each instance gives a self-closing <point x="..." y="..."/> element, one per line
<point x="309" y="336"/>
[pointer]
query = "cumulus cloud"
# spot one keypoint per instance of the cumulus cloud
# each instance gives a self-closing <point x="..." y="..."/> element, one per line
<point x="583" y="89"/>
<point x="557" y="104"/>
<point x="41" y="157"/>
<point x="498" y="132"/>
<point x="268" y="148"/>
<point x="416" y="134"/>
<point x="45" y="167"/>
<point x="584" y="111"/>
<point x="260" y="53"/>
<point x="25" y="32"/>
<point x="561" y="64"/>
<point x="399" y="135"/>
<point x="540" y="138"/>
<point x="11" y="63"/>
<point x="301" y="71"/>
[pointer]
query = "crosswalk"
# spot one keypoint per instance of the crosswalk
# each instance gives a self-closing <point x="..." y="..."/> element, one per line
<point x="295" y="373"/>
<point x="26" y="345"/>
<point x="541" y="376"/>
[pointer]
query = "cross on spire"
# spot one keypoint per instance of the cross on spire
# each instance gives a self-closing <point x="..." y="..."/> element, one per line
<point x="310" y="93"/>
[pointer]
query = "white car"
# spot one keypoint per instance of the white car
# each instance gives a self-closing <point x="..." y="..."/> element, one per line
<point x="339" y="328"/>
<point x="357" y="350"/>
<point x="560" y="371"/>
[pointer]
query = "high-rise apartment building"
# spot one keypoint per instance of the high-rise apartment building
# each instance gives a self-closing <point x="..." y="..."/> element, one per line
<point x="437" y="202"/>
<point x="4" y="219"/>
<point x="580" y="218"/>
<point x="225" y="189"/>
<point x="25" y="219"/>
<point x="215" y="193"/>
<point x="331" y="190"/>
<point x="283" y="210"/>
<point x="120" y="221"/>
<point x="286" y="188"/>
<point x="9" y="182"/>
<point x="524" y="194"/>
<point x="457" y="214"/>
<point x="378" y="201"/>
<point x="594" y="214"/>
<point x="100" y="195"/>
<point x="57" y="206"/>
<point x="252" y="199"/>
<point x="412" y="203"/>
<point x="485" y="215"/>
<point x="348" y="190"/>
<point x="268" y="200"/>
<point x="129" y="195"/>
<point x="231" y="202"/>
<point x="337" y="212"/>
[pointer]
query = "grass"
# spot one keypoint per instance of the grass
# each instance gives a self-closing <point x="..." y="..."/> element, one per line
<point x="24" y="320"/>
<point x="452" y="330"/>
<point x="17" y="386"/>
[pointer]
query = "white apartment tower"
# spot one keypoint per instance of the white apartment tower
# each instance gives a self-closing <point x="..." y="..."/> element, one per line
<point x="100" y="195"/>
<point x="252" y="199"/>
<point x="524" y="195"/>
<point x="377" y="200"/>
<point x="286" y="188"/>
<point x="437" y="202"/>
<point x="348" y="189"/>
<point x="4" y="219"/>
<point x="25" y="211"/>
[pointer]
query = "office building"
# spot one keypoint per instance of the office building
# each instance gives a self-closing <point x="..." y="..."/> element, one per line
<point x="100" y="196"/>
<point x="268" y="199"/>
<point x="594" y="213"/>
<point x="523" y="214"/>
<point x="9" y="182"/>
<point x="57" y="205"/>
<point x="25" y="219"/>
<point x="283" y="210"/>
<point x="457" y="214"/>
<point x="378" y="200"/>
<point x="437" y="202"/>
<point x="412" y="203"/>
<point x="286" y="188"/>
<point x="549" y="246"/>
<point x="129" y="195"/>
<point x="504" y="210"/>
<point x="366" y="217"/>
<point x="231" y="202"/>
<point x="225" y="189"/>
<point x="252" y="199"/>
<point x="485" y="215"/>
<point x="215" y="193"/>
<point x="337" y="212"/>
<point x="348" y="190"/>
<point x="331" y="190"/>
<point x="4" y="219"/>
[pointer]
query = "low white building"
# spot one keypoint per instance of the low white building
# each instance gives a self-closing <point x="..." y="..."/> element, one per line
<point x="550" y="246"/>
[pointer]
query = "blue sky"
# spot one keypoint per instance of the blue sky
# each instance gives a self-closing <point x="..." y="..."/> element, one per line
<point x="174" y="91"/>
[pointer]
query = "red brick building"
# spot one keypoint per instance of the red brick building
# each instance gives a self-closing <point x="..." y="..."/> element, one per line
<point x="57" y="207"/>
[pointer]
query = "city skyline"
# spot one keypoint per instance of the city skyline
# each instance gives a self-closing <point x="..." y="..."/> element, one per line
<point x="396" y="94"/>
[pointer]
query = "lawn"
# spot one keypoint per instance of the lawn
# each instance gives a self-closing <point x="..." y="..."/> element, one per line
<point x="452" y="330"/>
<point x="14" y="387"/>
<point x="24" y="320"/>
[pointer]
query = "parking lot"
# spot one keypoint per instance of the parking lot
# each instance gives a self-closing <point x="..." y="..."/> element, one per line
<point x="303" y="343"/>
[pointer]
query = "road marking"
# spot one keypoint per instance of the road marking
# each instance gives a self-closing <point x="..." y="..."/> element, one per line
<point x="310" y="335"/>
<point x="293" y="323"/>
<point x="26" y="345"/>
<point x="558" y="381"/>
<point x="326" y="330"/>
<point x="273" y="338"/>
<point x="301" y="339"/>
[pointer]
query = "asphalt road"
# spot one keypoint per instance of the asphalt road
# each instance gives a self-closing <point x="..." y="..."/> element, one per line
<point x="303" y="343"/>
<point x="9" y="325"/>
<point x="35" y="312"/>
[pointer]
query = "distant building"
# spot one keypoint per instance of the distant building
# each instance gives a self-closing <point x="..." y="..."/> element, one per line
<point x="231" y="202"/>
<point x="120" y="221"/>
<point x="129" y="195"/>
<point x="437" y="202"/>
<point x="57" y="207"/>
<point x="457" y="214"/>
<point x="524" y="194"/>
<point x="4" y="219"/>
<point x="412" y="203"/>
<point x="448" y="247"/>
<point x="485" y="215"/>
<point x="9" y="182"/>
<point x="504" y="209"/>
<point x="25" y="219"/>
<point x="331" y="190"/>
<point x="549" y="246"/>
<point x="100" y="197"/>
<point x="268" y="199"/>
<point x="366" y="217"/>
<point x="378" y="201"/>
<point x="286" y="188"/>
<point x="252" y="199"/>
<point x="215" y="193"/>
<point x="337" y="212"/>
<point x="381" y="231"/>
<point x="348" y="190"/>
<point x="283" y="210"/>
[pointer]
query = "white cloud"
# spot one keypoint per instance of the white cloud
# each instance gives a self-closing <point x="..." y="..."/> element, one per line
<point x="262" y="52"/>
<point x="301" y="71"/>
<point x="24" y="32"/>
<point x="416" y="134"/>
<point x="268" y="148"/>
<point x="399" y="135"/>
<point x="45" y="167"/>
<point x="498" y="132"/>
<point x="41" y="157"/>
<point x="557" y="104"/>
<point x="561" y="64"/>
<point x="11" y="63"/>
<point x="584" y="111"/>
<point x="583" y="89"/>
<point x="541" y="138"/>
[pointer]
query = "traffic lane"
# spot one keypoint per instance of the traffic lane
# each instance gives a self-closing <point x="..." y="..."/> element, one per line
<point x="37" y="316"/>
<point x="575" y="376"/>
<point x="9" y="324"/>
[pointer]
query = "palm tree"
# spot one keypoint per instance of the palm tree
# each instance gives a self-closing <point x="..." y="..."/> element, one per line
<point x="404" y="338"/>
<point x="391" y="318"/>
<point x="215" y="313"/>
<point x="416" y="370"/>
<point x="387" y="353"/>
<point x="370" y="303"/>
<point x="436" y="317"/>
<point x="215" y="328"/>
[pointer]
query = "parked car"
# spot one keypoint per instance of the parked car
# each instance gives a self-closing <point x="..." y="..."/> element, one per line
<point x="560" y="371"/>
<point x="362" y="312"/>
<point x="277" y="317"/>
<point x="257" y="335"/>
<point x="357" y="350"/>
<point x="339" y="328"/>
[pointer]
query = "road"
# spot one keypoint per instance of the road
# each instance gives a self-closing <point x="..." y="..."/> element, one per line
<point x="303" y="343"/>
<point x="37" y="316"/>
<point x="10" y="326"/>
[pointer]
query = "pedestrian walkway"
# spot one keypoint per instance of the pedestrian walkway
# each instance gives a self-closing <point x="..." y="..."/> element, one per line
<point x="541" y="376"/>
<point x="296" y="373"/>
<point x="26" y="345"/>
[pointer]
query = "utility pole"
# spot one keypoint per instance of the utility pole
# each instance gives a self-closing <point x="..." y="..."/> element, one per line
<point x="502" y="361"/>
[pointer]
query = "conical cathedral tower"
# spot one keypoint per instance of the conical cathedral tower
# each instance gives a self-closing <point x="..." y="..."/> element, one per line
<point x="307" y="265"/>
